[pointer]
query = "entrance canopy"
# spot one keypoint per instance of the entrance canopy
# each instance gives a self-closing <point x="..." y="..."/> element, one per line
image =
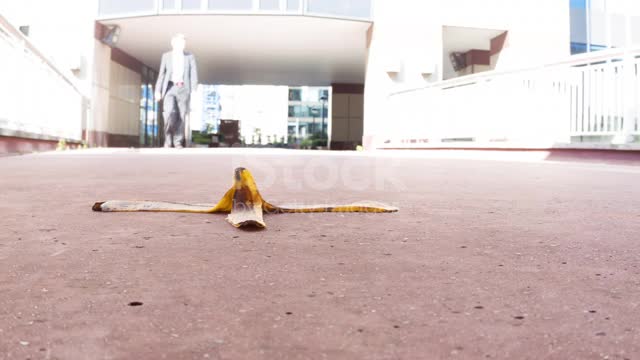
<point x="254" y="49"/>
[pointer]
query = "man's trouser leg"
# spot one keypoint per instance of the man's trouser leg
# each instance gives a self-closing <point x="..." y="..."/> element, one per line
<point x="169" y="113"/>
<point x="182" y="99"/>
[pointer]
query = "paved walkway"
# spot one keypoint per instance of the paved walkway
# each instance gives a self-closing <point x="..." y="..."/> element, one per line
<point x="505" y="258"/>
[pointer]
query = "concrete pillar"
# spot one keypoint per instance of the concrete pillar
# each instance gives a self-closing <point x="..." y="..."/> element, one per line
<point x="98" y="122"/>
<point x="347" y="109"/>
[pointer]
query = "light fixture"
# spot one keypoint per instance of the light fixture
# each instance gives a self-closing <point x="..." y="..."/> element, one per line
<point x="111" y="36"/>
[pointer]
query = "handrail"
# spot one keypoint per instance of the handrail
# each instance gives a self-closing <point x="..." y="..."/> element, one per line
<point x="10" y="30"/>
<point x="62" y="105"/>
<point x="589" y="98"/>
<point x="575" y="60"/>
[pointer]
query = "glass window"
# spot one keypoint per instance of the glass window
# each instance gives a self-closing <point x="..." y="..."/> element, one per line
<point x="109" y="7"/>
<point x="578" y="22"/>
<point x="295" y="95"/>
<point x="169" y="4"/>
<point x="293" y="5"/>
<point x="578" y="48"/>
<point x="618" y="30"/>
<point x="599" y="37"/>
<point x="270" y="5"/>
<point x="230" y="5"/>
<point x="314" y="111"/>
<point x="633" y="10"/>
<point x="635" y="30"/>
<point x="602" y="24"/>
<point x="191" y="4"/>
<point x="349" y="8"/>
<point x="307" y="111"/>
<point x="580" y="4"/>
<point x="618" y="11"/>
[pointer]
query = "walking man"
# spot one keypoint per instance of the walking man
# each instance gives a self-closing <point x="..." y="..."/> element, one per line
<point x="177" y="79"/>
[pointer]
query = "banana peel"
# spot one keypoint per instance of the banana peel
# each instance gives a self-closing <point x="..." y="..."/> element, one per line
<point x="243" y="202"/>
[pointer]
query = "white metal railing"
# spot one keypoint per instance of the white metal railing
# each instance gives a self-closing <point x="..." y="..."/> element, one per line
<point x="38" y="100"/>
<point x="593" y="98"/>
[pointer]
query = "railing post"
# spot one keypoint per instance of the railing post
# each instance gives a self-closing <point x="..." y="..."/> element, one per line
<point x="22" y="104"/>
<point x="628" y="88"/>
<point x="88" y="121"/>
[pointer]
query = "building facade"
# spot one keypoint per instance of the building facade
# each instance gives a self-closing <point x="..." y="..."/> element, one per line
<point x="397" y="74"/>
<point x="308" y="114"/>
<point x="500" y="74"/>
<point x="604" y="24"/>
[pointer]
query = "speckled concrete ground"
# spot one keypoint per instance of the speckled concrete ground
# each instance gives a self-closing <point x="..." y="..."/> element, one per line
<point x="506" y="258"/>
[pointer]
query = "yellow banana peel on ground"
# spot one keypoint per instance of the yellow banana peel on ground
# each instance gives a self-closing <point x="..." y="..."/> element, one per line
<point x="243" y="202"/>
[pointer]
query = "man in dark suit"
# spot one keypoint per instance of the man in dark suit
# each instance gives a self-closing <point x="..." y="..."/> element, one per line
<point x="177" y="79"/>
